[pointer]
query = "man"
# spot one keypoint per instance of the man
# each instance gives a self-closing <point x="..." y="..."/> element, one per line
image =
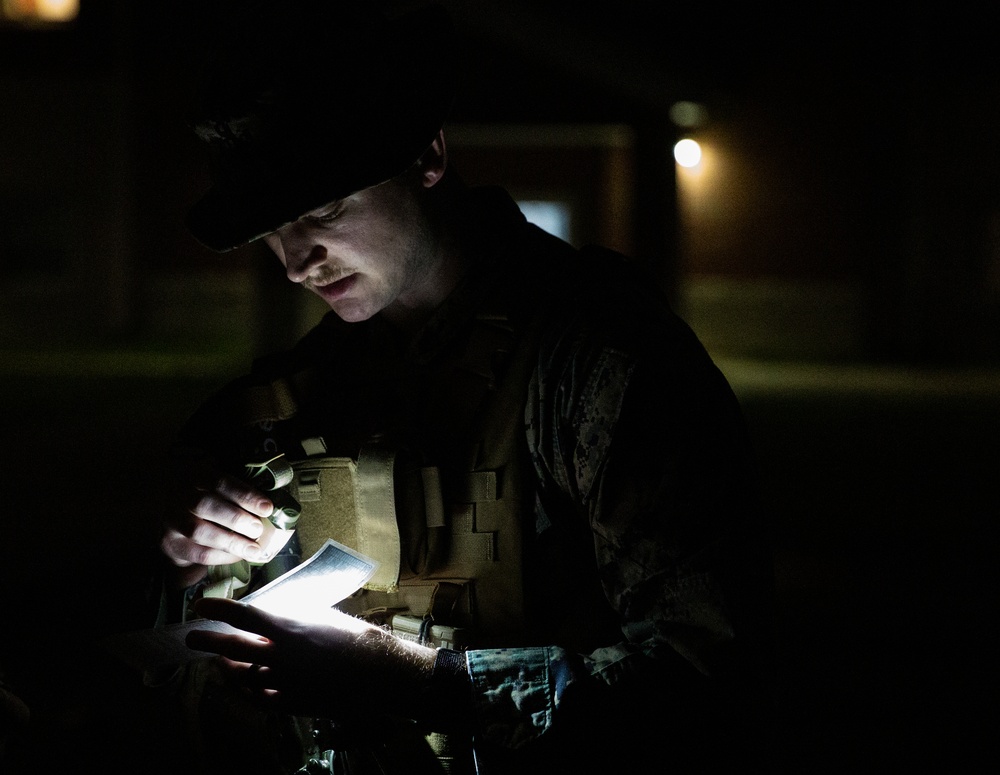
<point x="587" y="534"/>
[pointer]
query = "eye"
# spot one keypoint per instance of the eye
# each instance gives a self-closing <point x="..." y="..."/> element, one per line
<point x="328" y="214"/>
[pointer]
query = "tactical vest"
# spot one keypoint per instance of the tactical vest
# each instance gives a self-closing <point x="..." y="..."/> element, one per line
<point x="446" y="521"/>
<point x="447" y="534"/>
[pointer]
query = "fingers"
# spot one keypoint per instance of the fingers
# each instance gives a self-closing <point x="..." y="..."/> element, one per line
<point x="219" y="525"/>
<point x="208" y="545"/>
<point x="242" y="648"/>
<point x="232" y="504"/>
<point x="244" y="495"/>
<point x="242" y="616"/>
<point x="245" y="646"/>
<point x="258" y="680"/>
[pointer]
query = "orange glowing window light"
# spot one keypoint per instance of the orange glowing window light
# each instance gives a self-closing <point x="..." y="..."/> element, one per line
<point x="39" y="10"/>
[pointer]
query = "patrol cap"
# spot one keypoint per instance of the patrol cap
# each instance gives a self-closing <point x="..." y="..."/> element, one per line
<point x="305" y="102"/>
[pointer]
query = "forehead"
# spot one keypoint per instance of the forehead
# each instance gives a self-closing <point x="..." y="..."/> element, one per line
<point x="383" y="199"/>
<point x="376" y="193"/>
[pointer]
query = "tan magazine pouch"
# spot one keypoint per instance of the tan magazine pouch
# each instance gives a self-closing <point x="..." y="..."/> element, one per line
<point x="352" y="502"/>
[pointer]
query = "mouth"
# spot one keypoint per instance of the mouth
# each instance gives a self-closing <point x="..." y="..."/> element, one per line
<point x="331" y="290"/>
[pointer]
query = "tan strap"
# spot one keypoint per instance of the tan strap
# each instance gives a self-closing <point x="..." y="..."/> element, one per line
<point x="378" y="532"/>
<point x="469" y="548"/>
<point x="478" y="486"/>
<point x="430" y="476"/>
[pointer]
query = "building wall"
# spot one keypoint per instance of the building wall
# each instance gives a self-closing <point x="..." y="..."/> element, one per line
<point x="831" y="220"/>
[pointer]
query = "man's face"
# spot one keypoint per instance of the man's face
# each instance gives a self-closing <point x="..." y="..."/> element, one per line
<point x="362" y="254"/>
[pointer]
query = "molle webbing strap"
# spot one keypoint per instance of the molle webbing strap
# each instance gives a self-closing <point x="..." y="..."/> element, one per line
<point x="470" y="546"/>
<point x="430" y="477"/>
<point x="496" y="494"/>
<point x="478" y="486"/>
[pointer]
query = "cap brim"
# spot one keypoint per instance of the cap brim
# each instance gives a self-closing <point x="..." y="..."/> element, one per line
<point x="233" y="213"/>
<point x="333" y="156"/>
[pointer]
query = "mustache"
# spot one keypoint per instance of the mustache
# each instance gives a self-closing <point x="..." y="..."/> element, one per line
<point x="324" y="275"/>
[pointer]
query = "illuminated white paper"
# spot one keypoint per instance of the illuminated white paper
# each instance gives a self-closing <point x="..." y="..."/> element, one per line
<point x="306" y="592"/>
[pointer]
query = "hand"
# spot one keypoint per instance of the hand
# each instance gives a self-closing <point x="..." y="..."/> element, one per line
<point x="216" y="523"/>
<point x="341" y="669"/>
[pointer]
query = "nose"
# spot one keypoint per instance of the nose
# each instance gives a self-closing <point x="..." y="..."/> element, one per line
<point x="297" y="251"/>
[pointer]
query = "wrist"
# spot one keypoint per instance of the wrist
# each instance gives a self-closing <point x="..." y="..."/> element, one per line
<point x="449" y="690"/>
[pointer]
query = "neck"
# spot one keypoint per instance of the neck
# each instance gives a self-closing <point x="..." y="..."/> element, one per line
<point x="442" y="264"/>
<point x="408" y="314"/>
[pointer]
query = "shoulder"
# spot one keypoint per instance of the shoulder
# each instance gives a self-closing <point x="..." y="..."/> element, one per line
<point x="609" y="330"/>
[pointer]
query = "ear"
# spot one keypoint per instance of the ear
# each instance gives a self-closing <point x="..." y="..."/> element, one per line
<point x="433" y="162"/>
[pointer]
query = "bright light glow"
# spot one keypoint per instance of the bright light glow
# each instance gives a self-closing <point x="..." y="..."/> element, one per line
<point x="687" y="153"/>
<point x="41" y="10"/>
<point x="57" y="10"/>
<point x="552" y="216"/>
<point x="306" y="595"/>
<point x="303" y="611"/>
<point x="309" y="591"/>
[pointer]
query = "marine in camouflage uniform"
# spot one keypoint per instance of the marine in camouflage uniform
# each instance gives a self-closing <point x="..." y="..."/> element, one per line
<point x="634" y="626"/>
<point x="646" y="573"/>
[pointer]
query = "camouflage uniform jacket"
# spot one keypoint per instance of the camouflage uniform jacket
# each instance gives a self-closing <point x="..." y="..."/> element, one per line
<point x="647" y="574"/>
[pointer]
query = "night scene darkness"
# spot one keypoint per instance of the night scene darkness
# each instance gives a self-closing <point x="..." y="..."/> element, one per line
<point x="835" y="243"/>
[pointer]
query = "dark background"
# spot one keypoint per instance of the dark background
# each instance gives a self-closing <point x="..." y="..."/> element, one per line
<point x="871" y="131"/>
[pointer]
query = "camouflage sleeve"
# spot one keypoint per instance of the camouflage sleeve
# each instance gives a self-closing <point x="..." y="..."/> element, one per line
<point x="641" y="442"/>
<point x="516" y="691"/>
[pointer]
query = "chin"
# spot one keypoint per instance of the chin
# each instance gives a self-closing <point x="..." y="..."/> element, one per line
<point x="353" y="313"/>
